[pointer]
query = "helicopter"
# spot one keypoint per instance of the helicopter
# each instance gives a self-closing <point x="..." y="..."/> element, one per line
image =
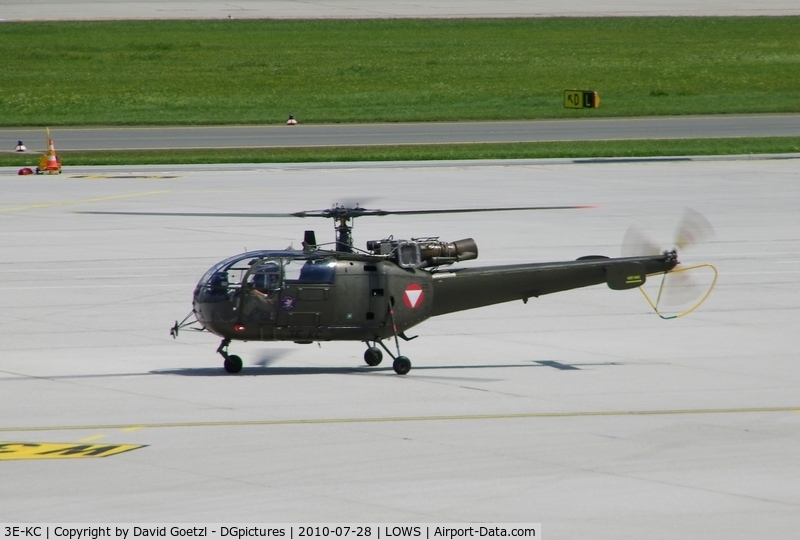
<point x="328" y="292"/>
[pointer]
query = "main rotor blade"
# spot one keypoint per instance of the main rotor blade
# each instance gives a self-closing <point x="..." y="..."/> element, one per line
<point x="338" y="212"/>
<point x="469" y="210"/>
<point x="191" y="214"/>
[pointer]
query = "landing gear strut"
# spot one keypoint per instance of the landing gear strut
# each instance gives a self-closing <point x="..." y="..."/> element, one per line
<point x="232" y="364"/>
<point x="401" y="364"/>
<point x="373" y="356"/>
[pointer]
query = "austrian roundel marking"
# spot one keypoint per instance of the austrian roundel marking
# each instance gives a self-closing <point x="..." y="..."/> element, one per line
<point x="413" y="296"/>
<point x="288" y="303"/>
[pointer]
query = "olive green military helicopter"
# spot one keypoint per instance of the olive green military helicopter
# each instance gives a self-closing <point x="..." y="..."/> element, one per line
<point x="339" y="292"/>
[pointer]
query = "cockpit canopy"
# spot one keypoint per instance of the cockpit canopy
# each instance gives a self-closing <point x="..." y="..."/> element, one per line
<point x="264" y="271"/>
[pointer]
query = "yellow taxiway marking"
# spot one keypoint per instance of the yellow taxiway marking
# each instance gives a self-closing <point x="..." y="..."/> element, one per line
<point x="65" y="203"/>
<point x="36" y="450"/>
<point x="126" y="176"/>
<point x="501" y="416"/>
<point x="92" y="438"/>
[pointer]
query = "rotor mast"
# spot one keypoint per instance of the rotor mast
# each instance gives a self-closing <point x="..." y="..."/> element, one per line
<point x="344" y="234"/>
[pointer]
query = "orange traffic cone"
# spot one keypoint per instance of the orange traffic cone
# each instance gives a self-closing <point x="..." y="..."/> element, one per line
<point x="50" y="162"/>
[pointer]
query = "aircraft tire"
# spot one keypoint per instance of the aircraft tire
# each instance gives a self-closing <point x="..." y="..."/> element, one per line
<point x="233" y="364"/>
<point x="402" y="365"/>
<point x="373" y="356"/>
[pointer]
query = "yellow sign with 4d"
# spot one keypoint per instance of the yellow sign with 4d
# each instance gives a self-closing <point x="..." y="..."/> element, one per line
<point x="581" y="99"/>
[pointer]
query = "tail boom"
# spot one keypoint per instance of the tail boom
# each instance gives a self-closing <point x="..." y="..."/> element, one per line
<point x="468" y="288"/>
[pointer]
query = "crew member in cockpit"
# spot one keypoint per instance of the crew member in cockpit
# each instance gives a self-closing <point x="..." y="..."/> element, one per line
<point x="266" y="279"/>
<point x="266" y="283"/>
<point x="217" y="288"/>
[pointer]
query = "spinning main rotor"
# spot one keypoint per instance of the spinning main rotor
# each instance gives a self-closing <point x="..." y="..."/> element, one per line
<point x="343" y="216"/>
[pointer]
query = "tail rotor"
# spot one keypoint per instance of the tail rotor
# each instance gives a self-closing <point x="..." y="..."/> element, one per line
<point x="685" y="287"/>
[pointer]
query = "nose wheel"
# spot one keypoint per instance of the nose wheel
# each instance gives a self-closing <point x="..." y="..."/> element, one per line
<point x="232" y="363"/>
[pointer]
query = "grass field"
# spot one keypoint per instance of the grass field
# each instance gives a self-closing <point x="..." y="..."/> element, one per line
<point x="233" y="72"/>
<point x="639" y="148"/>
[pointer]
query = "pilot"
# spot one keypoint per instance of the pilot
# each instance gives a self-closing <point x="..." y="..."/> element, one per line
<point x="263" y="293"/>
<point x="266" y="281"/>
<point x="266" y="277"/>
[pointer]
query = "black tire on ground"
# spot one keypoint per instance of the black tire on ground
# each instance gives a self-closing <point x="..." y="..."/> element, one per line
<point x="402" y="365"/>
<point x="233" y="364"/>
<point x="373" y="356"/>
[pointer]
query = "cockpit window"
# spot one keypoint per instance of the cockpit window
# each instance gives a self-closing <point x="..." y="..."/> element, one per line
<point x="215" y="289"/>
<point x="265" y="275"/>
<point x="222" y="281"/>
<point x="263" y="272"/>
<point x="216" y="270"/>
<point x="318" y="271"/>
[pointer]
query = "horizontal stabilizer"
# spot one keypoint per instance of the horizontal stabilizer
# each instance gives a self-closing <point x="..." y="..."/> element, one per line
<point x="625" y="275"/>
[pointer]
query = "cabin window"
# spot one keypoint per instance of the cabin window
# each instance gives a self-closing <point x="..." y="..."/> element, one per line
<point x="311" y="271"/>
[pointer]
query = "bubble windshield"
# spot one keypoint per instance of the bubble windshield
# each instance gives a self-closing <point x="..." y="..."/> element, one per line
<point x="266" y="270"/>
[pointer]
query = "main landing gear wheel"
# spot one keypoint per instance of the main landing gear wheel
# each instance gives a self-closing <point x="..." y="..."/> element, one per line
<point x="233" y="364"/>
<point x="373" y="356"/>
<point x="402" y="365"/>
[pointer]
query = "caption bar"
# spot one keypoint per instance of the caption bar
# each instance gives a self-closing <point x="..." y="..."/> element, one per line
<point x="280" y="531"/>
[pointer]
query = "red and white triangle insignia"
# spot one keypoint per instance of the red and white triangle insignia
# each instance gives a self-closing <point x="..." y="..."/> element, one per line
<point x="413" y="296"/>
